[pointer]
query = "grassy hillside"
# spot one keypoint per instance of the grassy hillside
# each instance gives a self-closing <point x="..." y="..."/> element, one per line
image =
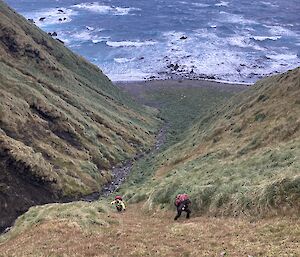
<point x="63" y="124"/>
<point x="210" y="166"/>
<point x="243" y="158"/>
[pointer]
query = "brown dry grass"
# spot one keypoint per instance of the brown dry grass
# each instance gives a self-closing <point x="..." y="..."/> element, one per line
<point x="143" y="234"/>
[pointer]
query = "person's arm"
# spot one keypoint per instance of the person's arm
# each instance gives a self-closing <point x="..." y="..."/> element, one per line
<point x="123" y="205"/>
<point x="113" y="202"/>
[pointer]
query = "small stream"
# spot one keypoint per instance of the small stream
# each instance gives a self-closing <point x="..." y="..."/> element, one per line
<point x="121" y="172"/>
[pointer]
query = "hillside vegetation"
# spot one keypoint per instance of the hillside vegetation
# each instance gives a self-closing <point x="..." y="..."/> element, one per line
<point x="63" y="124"/>
<point x="92" y="229"/>
<point x="243" y="158"/>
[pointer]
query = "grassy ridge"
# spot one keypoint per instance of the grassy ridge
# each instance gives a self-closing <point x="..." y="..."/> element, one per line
<point x="63" y="124"/>
<point x="241" y="159"/>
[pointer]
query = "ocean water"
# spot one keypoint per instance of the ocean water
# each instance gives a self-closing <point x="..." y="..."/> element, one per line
<point x="232" y="40"/>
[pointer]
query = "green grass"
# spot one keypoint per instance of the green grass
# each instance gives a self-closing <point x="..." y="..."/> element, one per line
<point x="180" y="107"/>
<point x="88" y="216"/>
<point x="242" y="158"/>
<point x="64" y="110"/>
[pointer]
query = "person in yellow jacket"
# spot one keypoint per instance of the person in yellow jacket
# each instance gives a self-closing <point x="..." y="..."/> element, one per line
<point x="118" y="202"/>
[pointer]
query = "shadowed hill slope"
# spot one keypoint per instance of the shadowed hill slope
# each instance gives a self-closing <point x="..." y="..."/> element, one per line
<point x="63" y="124"/>
<point x="243" y="158"/>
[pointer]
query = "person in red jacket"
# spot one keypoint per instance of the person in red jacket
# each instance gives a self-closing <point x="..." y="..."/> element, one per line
<point x="182" y="203"/>
<point x="118" y="202"/>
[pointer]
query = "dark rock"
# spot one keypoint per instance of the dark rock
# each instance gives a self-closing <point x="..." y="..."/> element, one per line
<point x="65" y="19"/>
<point x="183" y="37"/>
<point x="60" y="41"/>
<point x="142" y="58"/>
<point x="60" y="10"/>
<point x="60" y="19"/>
<point x="54" y="34"/>
<point x="176" y="66"/>
<point x="42" y="18"/>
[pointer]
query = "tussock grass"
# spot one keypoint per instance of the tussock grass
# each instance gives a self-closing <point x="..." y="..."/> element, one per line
<point x="65" y="110"/>
<point x="240" y="159"/>
<point x="63" y="124"/>
<point x="85" y="216"/>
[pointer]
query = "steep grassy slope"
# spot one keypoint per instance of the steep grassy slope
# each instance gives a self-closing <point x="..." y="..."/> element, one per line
<point x="63" y="124"/>
<point x="242" y="159"/>
<point x="220" y="179"/>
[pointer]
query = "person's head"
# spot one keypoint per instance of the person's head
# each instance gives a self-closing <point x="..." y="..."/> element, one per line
<point x="118" y="198"/>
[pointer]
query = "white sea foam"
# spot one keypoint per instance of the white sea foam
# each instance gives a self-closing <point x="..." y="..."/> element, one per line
<point x="94" y="7"/>
<point x="280" y="31"/>
<point x="123" y="60"/>
<point x="130" y="43"/>
<point x="82" y="36"/>
<point x="51" y="16"/>
<point x="217" y="58"/>
<point x="105" y="9"/>
<point x="222" y="3"/>
<point x="234" y="18"/>
<point x="283" y="57"/>
<point x="124" y="11"/>
<point x="270" y="4"/>
<point x="244" y="42"/>
<point x="201" y="5"/>
<point x="97" y="40"/>
<point x="263" y="38"/>
<point x="89" y="28"/>
<point x="127" y="75"/>
<point x="75" y="37"/>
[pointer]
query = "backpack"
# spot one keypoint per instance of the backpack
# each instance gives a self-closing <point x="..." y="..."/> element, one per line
<point x="180" y="198"/>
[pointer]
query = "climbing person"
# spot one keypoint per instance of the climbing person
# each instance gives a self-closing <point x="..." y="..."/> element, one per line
<point x="118" y="202"/>
<point x="182" y="203"/>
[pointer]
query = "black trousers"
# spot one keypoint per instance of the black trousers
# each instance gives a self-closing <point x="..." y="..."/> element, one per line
<point x="183" y="207"/>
